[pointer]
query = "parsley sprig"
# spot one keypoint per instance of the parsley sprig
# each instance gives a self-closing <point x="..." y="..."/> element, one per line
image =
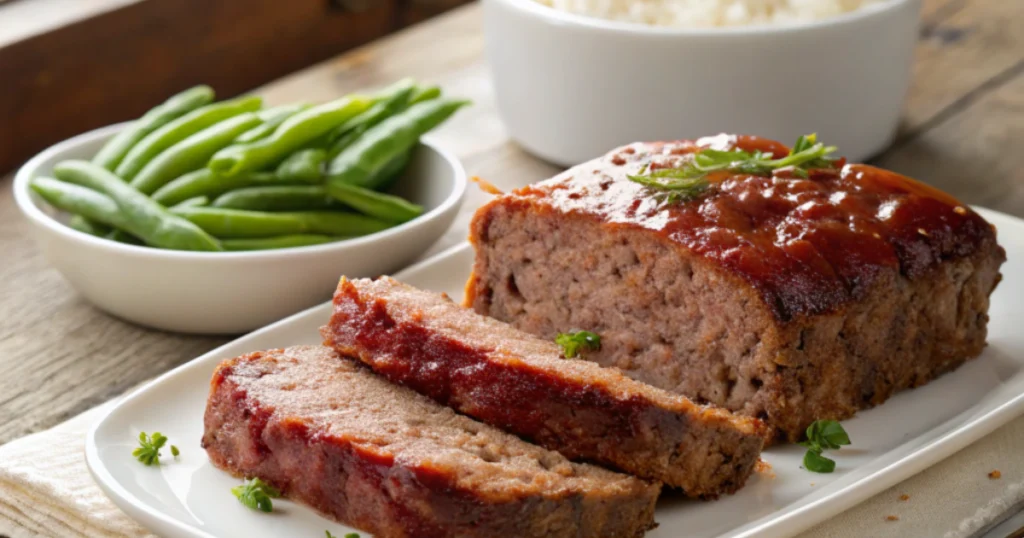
<point x="256" y="494"/>
<point x="823" y="435"/>
<point x="573" y="343"/>
<point x="349" y="535"/>
<point x="148" y="451"/>
<point x="690" y="180"/>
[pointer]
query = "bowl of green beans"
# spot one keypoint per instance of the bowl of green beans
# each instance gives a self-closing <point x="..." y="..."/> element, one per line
<point x="221" y="217"/>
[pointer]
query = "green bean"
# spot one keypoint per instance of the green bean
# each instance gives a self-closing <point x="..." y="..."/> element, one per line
<point x="281" y="241"/>
<point x="137" y="213"/>
<point x="198" y="201"/>
<point x="375" y="204"/>
<point x="204" y="182"/>
<point x="306" y="165"/>
<point x="180" y="129"/>
<point x="122" y="236"/>
<point x="277" y="198"/>
<point x="294" y="133"/>
<point x="88" y="226"/>
<point x="78" y="200"/>
<point x="344" y="141"/>
<point x="391" y="172"/>
<point x="361" y="163"/>
<point x="111" y="154"/>
<point x="191" y="153"/>
<point x="240" y="224"/>
<point x="392" y="100"/>
<point x="425" y="94"/>
<point x="271" y="117"/>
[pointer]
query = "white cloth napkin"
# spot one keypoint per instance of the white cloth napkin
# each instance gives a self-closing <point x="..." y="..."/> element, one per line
<point x="46" y="491"/>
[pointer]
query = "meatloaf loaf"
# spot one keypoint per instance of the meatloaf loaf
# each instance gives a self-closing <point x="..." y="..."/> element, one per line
<point x="790" y="295"/>
<point x="521" y="384"/>
<point x="329" y="433"/>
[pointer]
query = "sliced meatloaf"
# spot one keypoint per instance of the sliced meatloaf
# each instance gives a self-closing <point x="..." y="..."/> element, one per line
<point x="331" y="434"/>
<point x="781" y="297"/>
<point x="496" y="373"/>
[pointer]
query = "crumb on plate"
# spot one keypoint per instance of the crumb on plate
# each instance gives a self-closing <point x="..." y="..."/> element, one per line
<point x="892" y="517"/>
<point x="764" y="468"/>
<point x="904" y="497"/>
<point x="995" y="474"/>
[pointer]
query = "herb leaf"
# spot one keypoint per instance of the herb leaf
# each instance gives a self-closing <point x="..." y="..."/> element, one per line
<point x="823" y="435"/>
<point x="831" y="434"/>
<point x="174" y="451"/>
<point x="256" y="494"/>
<point x="349" y="535"/>
<point x="690" y="180"/>
<point x="826" y="435"/>
<point x="685" y="183"/>
<point x="816" y="463"/>
<point x="573" y="343"/>
<point x="148" y="451"/>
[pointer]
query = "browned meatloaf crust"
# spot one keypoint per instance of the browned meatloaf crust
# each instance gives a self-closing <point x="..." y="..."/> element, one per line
<point x="331" y="434"/>
<point x="519" y="383"/>
<point x="781" y="298"/>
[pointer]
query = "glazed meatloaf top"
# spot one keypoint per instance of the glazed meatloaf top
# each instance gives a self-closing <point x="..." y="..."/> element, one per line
<point x="808" y="245"/>
<point x="324" y="398"/>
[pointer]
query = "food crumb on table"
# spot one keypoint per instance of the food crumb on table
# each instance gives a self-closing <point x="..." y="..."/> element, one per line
<point x="904" y="497"/>
<point x="892" y="517"/>
<point x="995" y="474"/>
<point x="486" y="186"/>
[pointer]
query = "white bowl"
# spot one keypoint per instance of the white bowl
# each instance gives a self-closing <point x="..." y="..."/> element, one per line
<point x="570" y="88"/>
<point x="231" y="292"/>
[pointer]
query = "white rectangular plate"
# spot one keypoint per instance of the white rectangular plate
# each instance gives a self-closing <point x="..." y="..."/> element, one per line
<point x="189" y="498"/>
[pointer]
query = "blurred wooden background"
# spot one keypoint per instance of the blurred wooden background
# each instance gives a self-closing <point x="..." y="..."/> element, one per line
<point x="67" y="66"/>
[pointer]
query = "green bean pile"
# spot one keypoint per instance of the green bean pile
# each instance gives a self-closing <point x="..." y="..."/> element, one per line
<point x="194" y="174"/>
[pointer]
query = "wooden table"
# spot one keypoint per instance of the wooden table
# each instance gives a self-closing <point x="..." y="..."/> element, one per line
<point x="963" y="131"/>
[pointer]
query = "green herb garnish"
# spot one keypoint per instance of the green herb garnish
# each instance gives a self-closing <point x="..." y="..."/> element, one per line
<point x="573" y="343"/>
<point x="823" y="435"/>
<point x="690" y="180"/>
<point x="148" y="451"/>
<point x="174" y="451"/>
<point x="349" y="535"/>
<point x="256" y="494"/>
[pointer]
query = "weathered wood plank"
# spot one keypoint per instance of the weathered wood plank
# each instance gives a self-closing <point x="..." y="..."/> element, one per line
<point x="414" y="11"/>
<point x="964" y="43"/>
<point x="59" y="355"/>
<point x="973" y="153"/>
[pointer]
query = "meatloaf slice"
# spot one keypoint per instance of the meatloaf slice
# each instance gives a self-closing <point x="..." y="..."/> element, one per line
<point x="331" y="434"/>
<point x="515" y="381"/>
<point x="780" y="297"/>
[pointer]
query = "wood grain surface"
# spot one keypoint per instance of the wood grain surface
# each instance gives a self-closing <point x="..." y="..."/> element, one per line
<point x="964" y="123"/>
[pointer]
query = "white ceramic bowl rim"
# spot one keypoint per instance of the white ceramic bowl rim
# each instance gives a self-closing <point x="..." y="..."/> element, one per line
<point x="599" y="24"/>
<point x="24" y="200"/>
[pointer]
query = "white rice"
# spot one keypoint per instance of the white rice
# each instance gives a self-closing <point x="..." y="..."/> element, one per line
<point x="709" y="13"/>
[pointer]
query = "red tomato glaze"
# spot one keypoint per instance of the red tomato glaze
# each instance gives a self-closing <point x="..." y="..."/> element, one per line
<point x="808" y="245"/>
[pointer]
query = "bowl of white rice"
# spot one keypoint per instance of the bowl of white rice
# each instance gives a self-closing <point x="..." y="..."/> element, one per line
<point x="575" y="78"/>
<point x="709" y="13"/>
